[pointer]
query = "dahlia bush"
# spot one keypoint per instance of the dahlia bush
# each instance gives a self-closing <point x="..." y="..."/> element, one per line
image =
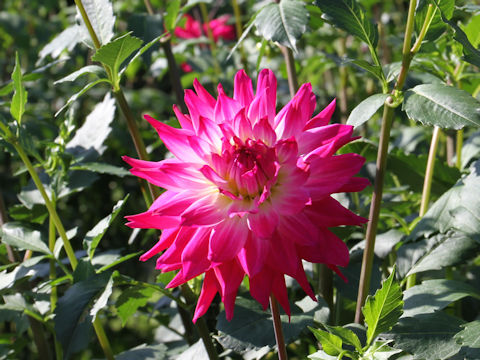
<point x="249" y="191"/>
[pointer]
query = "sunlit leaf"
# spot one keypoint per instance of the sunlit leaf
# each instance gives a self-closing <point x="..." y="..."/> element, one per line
<point x="19" y="99"/>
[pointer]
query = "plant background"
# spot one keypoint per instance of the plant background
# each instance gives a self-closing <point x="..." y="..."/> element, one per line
<point x="79" y="147"/>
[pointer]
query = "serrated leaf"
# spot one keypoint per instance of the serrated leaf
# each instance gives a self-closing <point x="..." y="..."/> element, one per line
<point x="170" y="17"/>
<point x="140" y="52"/>
<point x="100" y="14"/>
<point x="366" y="109"/>
<point x="443" y="106"/>
<point x="89" y="69"/>
<point x="469" y="338"/>
<point x="349" y="16"/>
<point x="382" y="311"/>
<point x="331" y="343"/>
<point x="66" y="40"/>
<point x="23" y="237"/>
<point x="428" y="336"/>
<point x="434" y="295"/>
<point x="75" y="96"/>
<point x="93" y="237"/>
<point x="88" y="142"/>
<point x="19" y="99"/>
<point x="131" y="299"/>
<point x="283" y="22"/>
<point x="116" y="52"/>
<point x="347" y="336"/>
<point x="72" y="307"/>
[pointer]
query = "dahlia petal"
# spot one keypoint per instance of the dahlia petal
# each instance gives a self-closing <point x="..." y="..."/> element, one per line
<point x="261" y="286"/>
<point x="184" y="120"/>
<point x="283" y="255"/>
<point x="355" y="184"/>
<point x="242" y="126"/>
<point x="287" y="150"/>
<point x="226" y="239"/>
<point x="279" y="290"/>
<point x="264" y="132"/>
<point x="291" y="120"/>
<point x="328" y="212"/>
<point x="328" y="175"/>
<point x="203" y="94"/>
<point x="176" y="140"/>
<point x="242" y="88"/>
<point x="170" y="174"/>
<point x="148" y="220"/>
<point x="212" y="176"/>
<point x="312" y="139"/>
<point x="209" y="289"/>
<point x="229" y="276"/>
<point x="194" y="255"/>
<point x="299" y="228"/>
<point x="173" y="255"/>
<point x="268" y="82"/>
<point x="208" y="210"/>
<point x="264" y="222"/>
<point x="252" y="255"/>
<point x="259" y="107"/>
<point x="328" y="250"/>
<point x="166" y="239"/>
<point x="210" y="132"/>
<point x="337" y="270"/>
<point x="197" y="107"/>
<point x="225" y="109"/>
<point x="322" y="118"/>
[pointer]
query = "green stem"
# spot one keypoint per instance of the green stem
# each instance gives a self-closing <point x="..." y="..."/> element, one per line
<point x="291" y="71"/>
<point x="388" y="112"/>
<point x="39" y="338"/>
<point x="426" y="24"/>
<point x="103" y="339"/>
<point x="277" y="326"/>
<point x="213" y="45"/>
<point x="88" y="24"/>
<point x="51" y="209"/>
<point x="53" y="273"/>
<point x="427" y="184"/>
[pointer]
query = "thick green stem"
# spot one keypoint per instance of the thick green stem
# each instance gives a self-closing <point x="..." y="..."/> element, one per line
<point x="388" y="112"/>
<point x="277" y="326"/>
<point x="459" y="146"/>
<point x="291" y="71"/>
<point x="88" y="24"/>
<point x="103" y="339"/>
<point x="427" y="184"/>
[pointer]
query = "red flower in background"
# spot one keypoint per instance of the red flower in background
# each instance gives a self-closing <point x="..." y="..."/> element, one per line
<point x="249" y="191"/>
<point x="193" y="29"/>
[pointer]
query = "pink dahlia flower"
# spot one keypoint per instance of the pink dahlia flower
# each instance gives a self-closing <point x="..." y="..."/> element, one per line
<point x="193" y="29"/>
<point x="248" y="192"/>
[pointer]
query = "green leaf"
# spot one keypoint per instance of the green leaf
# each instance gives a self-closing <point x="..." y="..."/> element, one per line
<point x="451" y="250"/>
<point x="131" y="299"/>
<point x="170" y="17"/>
<point x="321" y="355"/>
<point x="115" y="53"/>
<point x="144" y="352"/>
<point x="349" y="16"/>
<point x="66" y="40"/>
<point x="88" y="142"/>
<point x="470" y="53"/>
<point x="93" y="237"/>
<point x="89" y="69"/>
<point x="284" y="22"/>
<point x="72" y="307"/>
<point x="331" y="343"/>
<point x="375" y="70"/>
<point x="471" y="149"/>
<point x="102" y="168"/>
<point x="115" y="261"/>
<point x="458" y="208"/>
<point x="23" y="237"/>
<point x="437" y="26"/>
<point x="37" y="214"/>
<point x="19" y="99"/>
<point x="347" y="336"/>
<point x="100" y="14"/>
<point x="380" y="351"/>
<point x="434" y="295"/>
<point x="383" y="309"/>
<point x="443" y="106"/>
<point x="101" y="302"/>
<point x="75" y="96"/>
<point x="366" y="109"/>
<point x="472" y="30"/>
<point x="246" y="331"/>
<point x="469" y="338"/>
<point x="428" y="336"/>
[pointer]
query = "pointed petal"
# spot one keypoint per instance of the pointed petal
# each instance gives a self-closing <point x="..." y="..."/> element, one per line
<point x="229" y="276"/>
<point x="328" y="250"/>
<point x="324" y="140"/>
<point x="242" y="126"/>
<point x="184" y="120"/>
<point x="197" y="107"/>
<point x="203" y="94"/>
<point x="194" y="255"/>
<point x="268" y="82"/>
<point x="261" y="286"/>
<point x="264" y="222"/>
<point x="166" y="239"/>
<point x="264" y="132"/>
<point x="322" y="118"/>
<point x="328" y="212"/>
<point x="208" y="210"/>
<point x="252" y="255"/>
<point x="242" y="88"/>
<point x="209" y="289"/>
<point x="225" y="109"/>
<point x="226" y="239"/>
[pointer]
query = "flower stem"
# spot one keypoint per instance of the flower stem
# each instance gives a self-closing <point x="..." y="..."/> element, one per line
<point x="388" y="112"/>
<point x="291" y="71"/>
<point x="239" y="29"/>
<point x="427" y="184"/>
<point x="277" y="326"/>
<point x="458" y="150"/>
<point x="53" y="274"/>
